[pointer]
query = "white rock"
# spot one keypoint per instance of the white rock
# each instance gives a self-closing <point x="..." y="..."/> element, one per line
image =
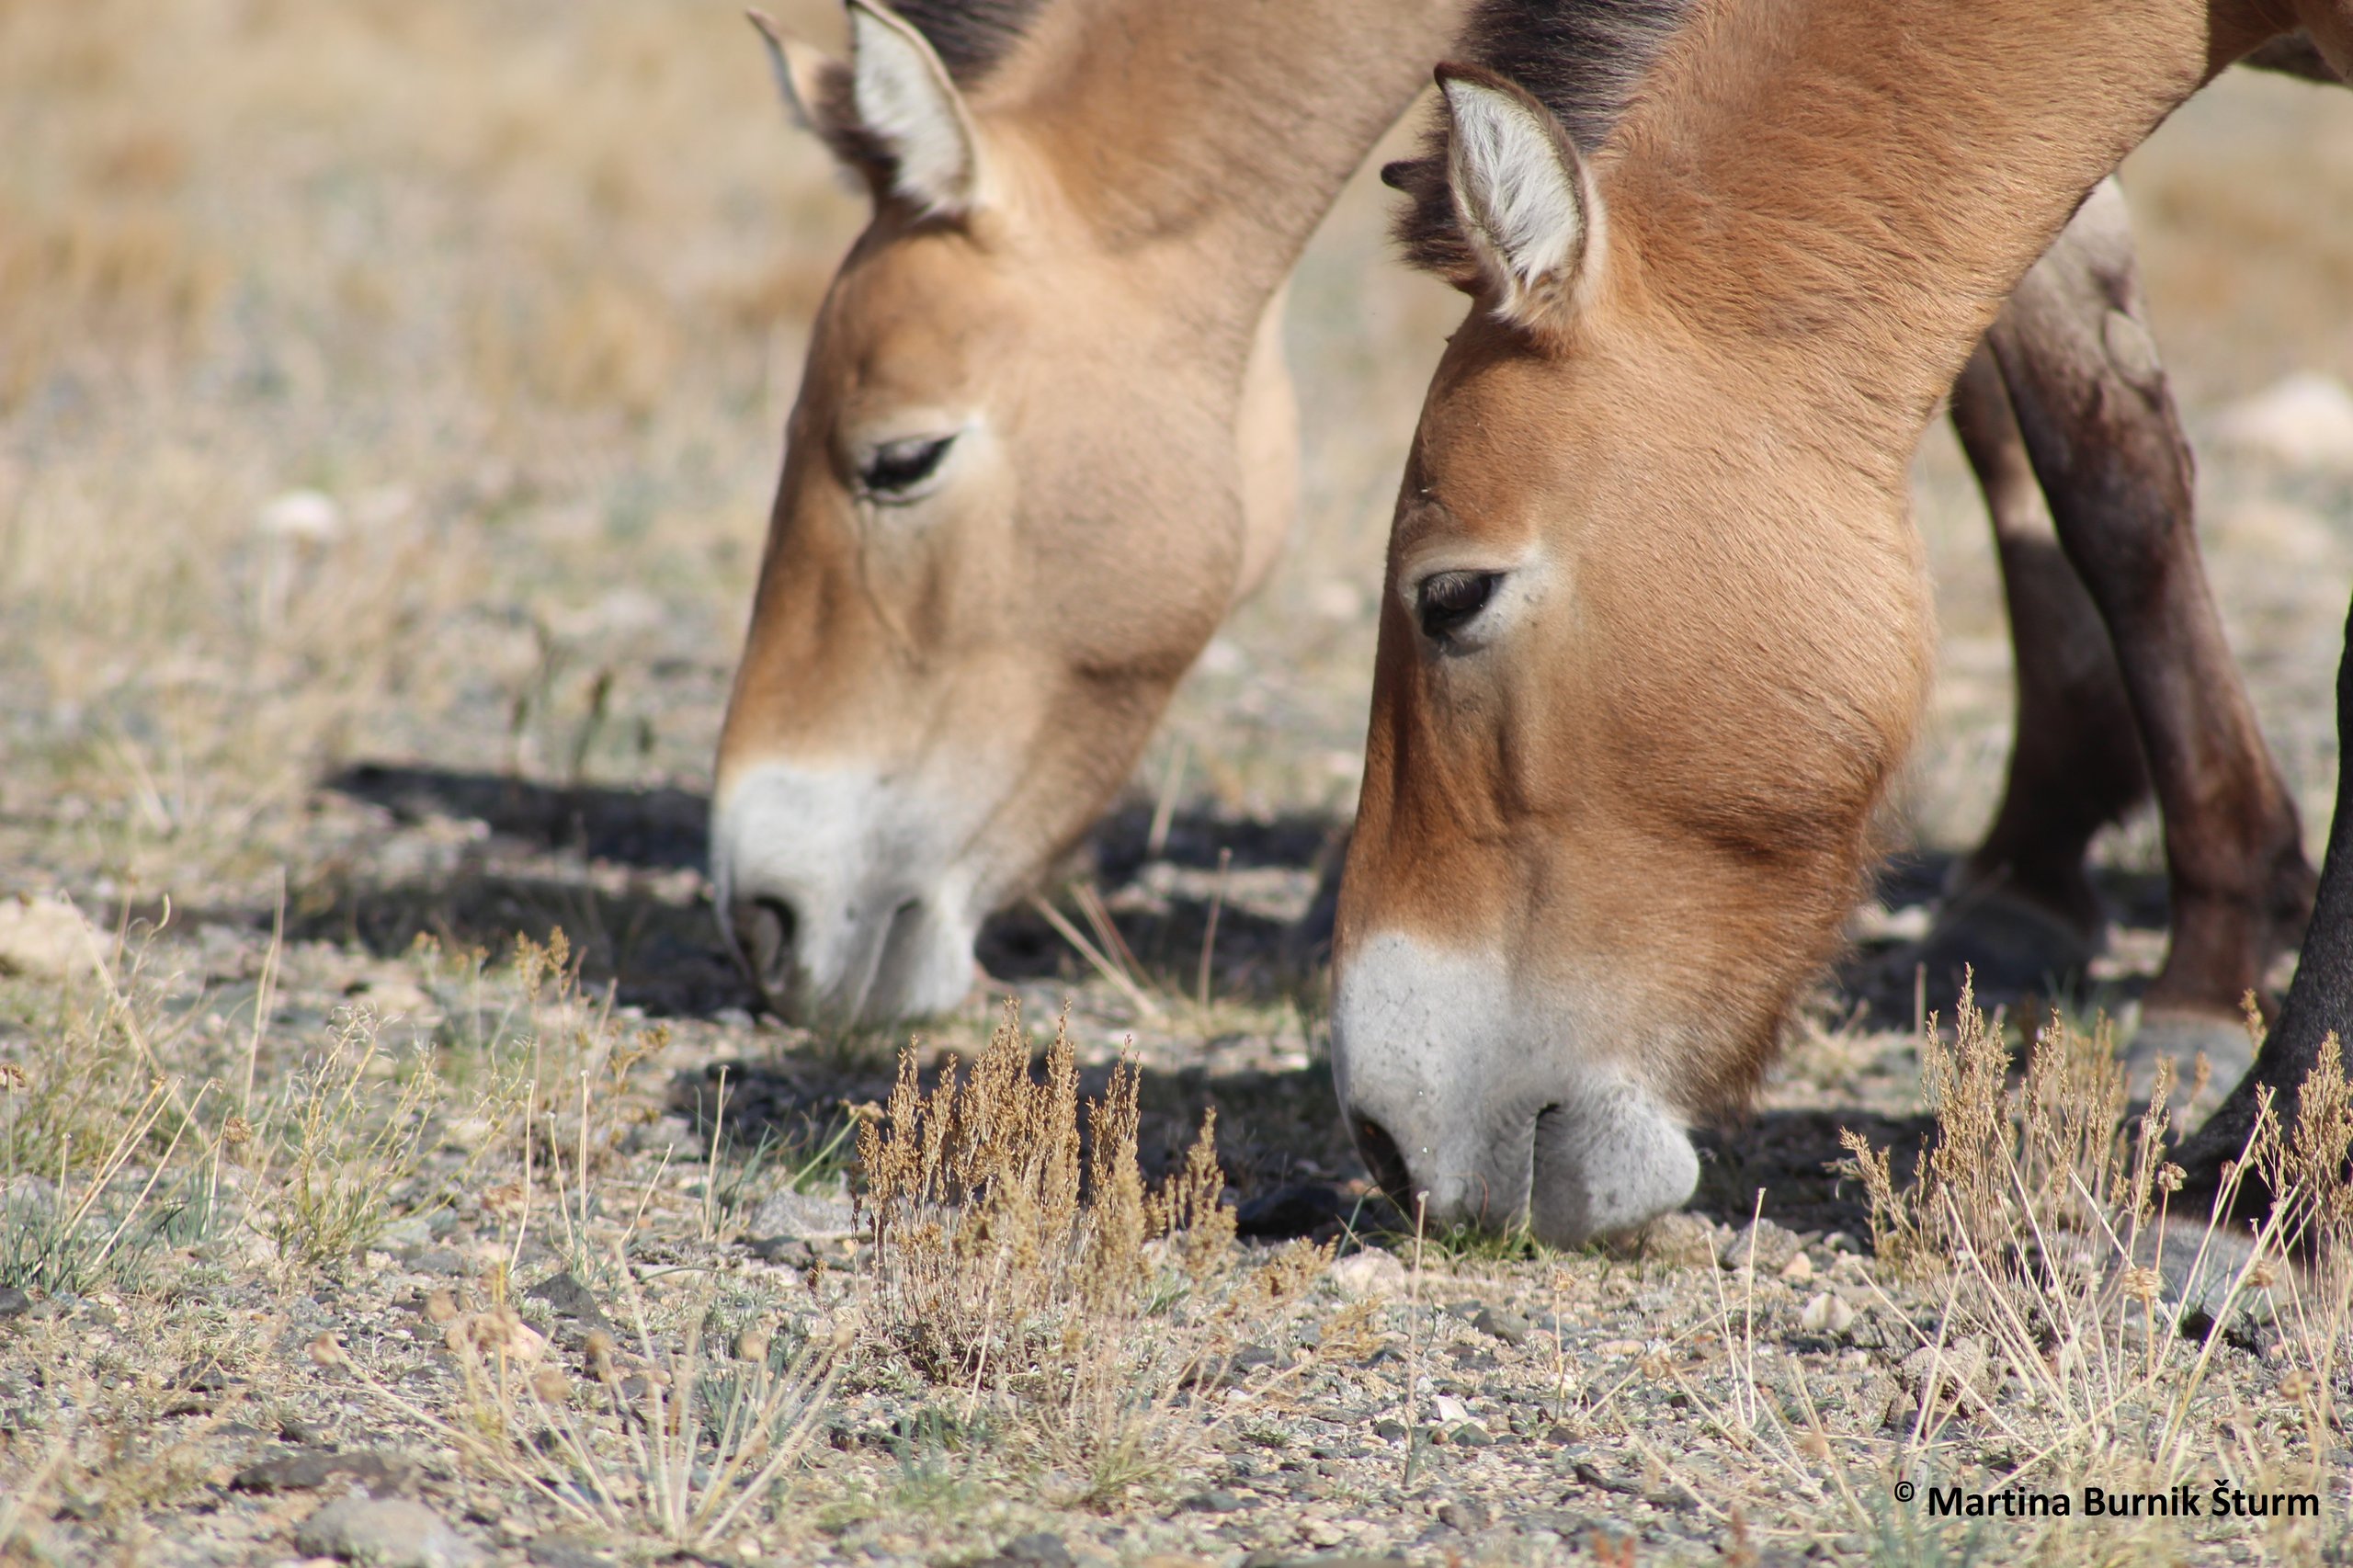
<point x="2304" y="422"/>
<point x="47" y="938"/>
<point x="1827" y="1313"/>
<point x="310" y="516"/>
<point x="1450" y="1410"/>
<point x="1371" y="1272"/>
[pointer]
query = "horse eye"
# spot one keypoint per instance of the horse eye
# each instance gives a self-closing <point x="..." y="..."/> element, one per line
<point x="894" y="468"/>
<point x="1450" y="600"/>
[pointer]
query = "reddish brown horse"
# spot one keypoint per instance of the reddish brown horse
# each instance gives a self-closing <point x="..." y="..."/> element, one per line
<point x="1655" y="633"/>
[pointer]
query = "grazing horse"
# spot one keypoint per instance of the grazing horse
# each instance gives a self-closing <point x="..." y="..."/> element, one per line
<point x="1654" y="634"/>
<point x="1044" y="441"/>
<point x="952" y="666"/>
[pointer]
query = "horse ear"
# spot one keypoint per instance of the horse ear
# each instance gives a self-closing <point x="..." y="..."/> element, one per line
<point x="891" y="113"/>
<point x="815" y="86"/>
<point x="1524" y="201"/>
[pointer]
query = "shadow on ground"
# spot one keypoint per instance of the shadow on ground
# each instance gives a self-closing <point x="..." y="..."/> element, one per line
<point x="617" y="870"/>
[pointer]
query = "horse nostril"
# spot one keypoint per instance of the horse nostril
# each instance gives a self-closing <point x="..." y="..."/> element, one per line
<point x="765" y="930"/>
<point x="1381" y="1156"/>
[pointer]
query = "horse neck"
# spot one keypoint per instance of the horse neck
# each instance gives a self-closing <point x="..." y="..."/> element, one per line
<point x="1208" y="137"/>
<point x="1844" y="191"/>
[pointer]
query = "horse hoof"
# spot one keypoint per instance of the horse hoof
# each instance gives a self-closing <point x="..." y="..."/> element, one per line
<point x="2183" y="1035"/>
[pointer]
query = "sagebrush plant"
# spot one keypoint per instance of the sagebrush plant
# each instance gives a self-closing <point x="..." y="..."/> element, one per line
<point x="1016" y="1254"/>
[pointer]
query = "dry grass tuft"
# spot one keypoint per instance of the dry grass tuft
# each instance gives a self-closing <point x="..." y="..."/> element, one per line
<point x="2084" y="1322"/>
<point x="1017" y="1257"/>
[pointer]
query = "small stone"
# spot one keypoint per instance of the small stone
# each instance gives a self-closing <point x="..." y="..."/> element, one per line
<point x="385" y="1533"/>
<point x="1678" y="1240"/>
<point x="1391" y="1429"/>
<point x="800" y="1216"/>
<point x="1215" y="1503"/>
<point x="408" y="1233"/>
<point x="1469" y="1434"/>
<point x="1963" y="1372"/>
<point x="498" y="1332"/>
<point x="1761" y="1243"/>
<point x="1035" y="1550"/>
<point x="566" y="1551"/>
<point x="571" y="1300"/>
<point x="1798" y="1270"/>
<point x="383" y="1473"/>
<point x="1827" y="1313"/>
<point x="1503" y="1323"/>
<point x="1468" y="1517"/>
<point x="47" y="939"/>
<point x="1371" y="1272"/>
<point x="1448" y="1410"/>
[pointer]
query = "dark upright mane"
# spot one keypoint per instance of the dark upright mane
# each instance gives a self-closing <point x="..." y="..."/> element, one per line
<point x="969" y="36"/>
<point x="1581" y="59"/>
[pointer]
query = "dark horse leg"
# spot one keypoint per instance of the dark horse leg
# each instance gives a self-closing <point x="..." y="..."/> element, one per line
<point x="2320" y="1000"/>
<point x="2101" y="433"/>
<point x="2021" y="910"/>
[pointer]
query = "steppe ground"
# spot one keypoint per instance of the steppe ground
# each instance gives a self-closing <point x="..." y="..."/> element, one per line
<point x="389" y="399"/>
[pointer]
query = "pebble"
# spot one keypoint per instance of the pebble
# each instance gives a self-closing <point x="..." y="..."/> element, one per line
<point x="1371" y="1272"/>
<point x="1678" y="1240"/>
<point x="385" y="1533"/>
<point x="570" y="1299"/>
<point x="383" y="1474"/>
<point x="1761" y="1243"/>
<point x="800" y="1216"/>
<point x="1503" y="1323"/>
<point x="1827" y="1313"/>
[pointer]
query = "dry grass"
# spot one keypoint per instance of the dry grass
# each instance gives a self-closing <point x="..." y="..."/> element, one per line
<point x="404" y="381"/>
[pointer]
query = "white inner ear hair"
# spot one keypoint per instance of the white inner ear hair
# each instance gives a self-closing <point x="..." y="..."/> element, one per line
<point x="1514" y="195"/>
<point x="903" y="98"/>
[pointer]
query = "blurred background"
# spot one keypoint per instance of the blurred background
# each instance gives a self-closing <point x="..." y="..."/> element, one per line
<point x="401" y="381"/>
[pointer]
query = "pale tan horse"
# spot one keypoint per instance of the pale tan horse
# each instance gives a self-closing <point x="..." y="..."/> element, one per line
<point x="1043" y="443"/>
<point x="1655" y="634"/>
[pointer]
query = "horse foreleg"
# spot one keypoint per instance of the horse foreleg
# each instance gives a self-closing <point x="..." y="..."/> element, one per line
<point x="2021" y="907"/>
<point x="2319" y="999"/>
<point x="2106" y="443"/>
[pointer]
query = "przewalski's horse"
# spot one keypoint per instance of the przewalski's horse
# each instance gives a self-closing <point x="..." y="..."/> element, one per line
<point x="1655" y="634"/>
<point x="911" y="741"/>
<point x="1043" y="443"/>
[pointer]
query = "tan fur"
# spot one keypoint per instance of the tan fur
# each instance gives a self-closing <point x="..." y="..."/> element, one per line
<point x="1108" y="321"/>
<point x="1662" y="770"/>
